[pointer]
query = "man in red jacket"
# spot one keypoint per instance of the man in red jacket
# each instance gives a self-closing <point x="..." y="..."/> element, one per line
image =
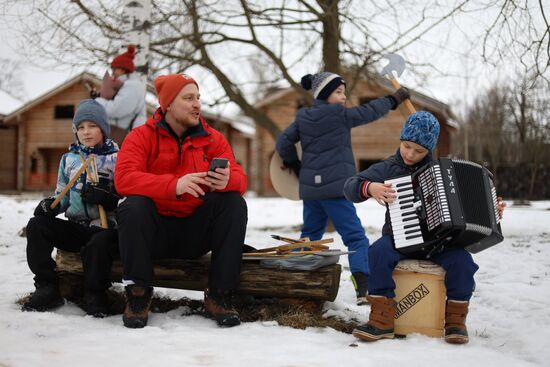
<point x="175" y="207"/>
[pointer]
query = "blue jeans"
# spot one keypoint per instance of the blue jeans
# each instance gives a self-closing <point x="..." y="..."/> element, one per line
<point x="457" y="262"/>
<point x="344" y="217"/>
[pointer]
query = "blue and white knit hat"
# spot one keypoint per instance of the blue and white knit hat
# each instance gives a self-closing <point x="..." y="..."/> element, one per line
<point x="322" y="84"/>
<point x="91" y="110"/>
<point x="421" y="128"/>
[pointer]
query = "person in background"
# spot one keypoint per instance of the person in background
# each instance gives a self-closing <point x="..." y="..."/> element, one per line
<point x="324" y="131"/>
<point x="81" y="232"/>
<point x="175" y="207"/>
<point x="127" y="108"/>
<point x="418" y="139"/>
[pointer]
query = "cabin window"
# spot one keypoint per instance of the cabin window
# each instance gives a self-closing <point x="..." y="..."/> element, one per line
<point x="366" y="163"/>
<point x="34" y="164"/>
<point x="64" y="111"/>
<point x="364" y="100"/>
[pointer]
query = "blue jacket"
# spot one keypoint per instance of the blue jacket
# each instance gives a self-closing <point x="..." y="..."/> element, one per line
<point x="73" y="206"/>
<point x="324" y="131"/>
<point x="389" y="168"/>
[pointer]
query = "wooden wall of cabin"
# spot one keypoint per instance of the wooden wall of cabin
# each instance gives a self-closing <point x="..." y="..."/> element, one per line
<point x="48" y="137"/>
<point x="8" y="158"/>
<point x="282" y="112"/>
<point x="239" y="142"/>
<point x="241" y="149"/>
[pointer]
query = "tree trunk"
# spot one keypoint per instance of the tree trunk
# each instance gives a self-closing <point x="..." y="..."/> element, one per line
<point x="331" y="35"/>
<point x="321" y="284"/>
<point x="136" y="29"/>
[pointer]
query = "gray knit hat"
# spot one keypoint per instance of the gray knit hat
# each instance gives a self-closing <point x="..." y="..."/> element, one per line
<point x="90" y="110"/>
<point x="322" y="84"/>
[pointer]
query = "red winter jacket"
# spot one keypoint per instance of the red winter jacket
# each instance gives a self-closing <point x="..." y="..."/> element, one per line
<point x="151" y="160"/>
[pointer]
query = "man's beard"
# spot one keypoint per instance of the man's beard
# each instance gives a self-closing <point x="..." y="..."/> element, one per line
<point x="187" y="123"/>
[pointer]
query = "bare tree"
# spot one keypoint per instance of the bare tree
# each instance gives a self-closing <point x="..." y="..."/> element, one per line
<point x="528" y="111"/>
<point x="520" y="29"/>
<point x="223" y="36"/>
<point x="509" y="126"/>
<point x="486" y="122"/>
<point x="10" y="81"/>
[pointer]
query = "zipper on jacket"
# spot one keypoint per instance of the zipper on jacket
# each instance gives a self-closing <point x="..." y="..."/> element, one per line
<point x="180" y="148"/>
<point x="172" y="133"/>
<point x="85" y="205"/>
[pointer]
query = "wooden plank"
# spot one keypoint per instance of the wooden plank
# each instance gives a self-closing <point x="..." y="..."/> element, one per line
<point x="321" y="284"/>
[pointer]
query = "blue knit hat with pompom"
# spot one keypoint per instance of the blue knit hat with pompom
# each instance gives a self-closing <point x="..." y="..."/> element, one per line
<point x="421" y="128"/>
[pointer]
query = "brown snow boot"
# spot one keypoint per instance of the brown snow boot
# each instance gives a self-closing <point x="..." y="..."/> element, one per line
<point x="138" y="302"/>
<point x="219" y="305"/>
<point x="381" y="320"/>
<point x="455" y="322"/>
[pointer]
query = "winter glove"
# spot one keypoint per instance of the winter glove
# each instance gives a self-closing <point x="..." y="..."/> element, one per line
<point x="294" y="166"/>
<point x="110" y="87"/>
<point x="102" y="193"/>
<point x="398" y="97"/>
<point x="43" y="208"/>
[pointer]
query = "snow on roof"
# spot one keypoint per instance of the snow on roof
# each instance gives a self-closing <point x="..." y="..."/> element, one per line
<point x="8" y="104"/>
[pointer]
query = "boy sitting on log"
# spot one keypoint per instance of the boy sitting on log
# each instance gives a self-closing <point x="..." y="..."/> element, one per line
<point x="86" y="199"/>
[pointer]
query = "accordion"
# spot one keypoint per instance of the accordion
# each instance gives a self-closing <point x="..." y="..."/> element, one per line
<point x="445" y="203"/>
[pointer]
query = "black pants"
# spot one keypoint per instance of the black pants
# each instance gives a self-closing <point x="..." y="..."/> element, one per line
<point x="97" y="246"/>
<point x="219" y="225"/>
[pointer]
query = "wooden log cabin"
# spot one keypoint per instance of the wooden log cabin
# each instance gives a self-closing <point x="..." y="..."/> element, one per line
<point x="34" y="136"/>
<point x="371" y="143"/>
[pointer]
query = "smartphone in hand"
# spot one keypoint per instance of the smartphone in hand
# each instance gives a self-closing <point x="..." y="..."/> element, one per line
<point x="218" y="163"/>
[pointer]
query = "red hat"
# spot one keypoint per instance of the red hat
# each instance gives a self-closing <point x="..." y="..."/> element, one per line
<point x="126" y="60"/>
<point x="168" y="87"/>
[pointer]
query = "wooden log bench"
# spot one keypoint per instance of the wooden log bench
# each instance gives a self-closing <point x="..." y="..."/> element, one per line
<point x="317" y="286"/>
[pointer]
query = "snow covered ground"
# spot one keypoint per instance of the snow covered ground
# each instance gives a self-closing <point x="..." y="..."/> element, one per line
<point x="509" y="320"/>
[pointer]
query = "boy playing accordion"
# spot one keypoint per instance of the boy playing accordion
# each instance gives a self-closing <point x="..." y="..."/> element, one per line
<point x="418" y="138"/>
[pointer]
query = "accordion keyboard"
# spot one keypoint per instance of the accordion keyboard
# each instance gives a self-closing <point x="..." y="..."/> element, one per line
<point x="403" y="215"/>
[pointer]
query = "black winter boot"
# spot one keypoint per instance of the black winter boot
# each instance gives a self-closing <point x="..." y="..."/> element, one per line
<point x="96" y="303"/>
<point x="360" y="283"/>
<point x="138" y="302"/>
<point x="45" y="297"/>
<point x="219" y="305"/>
<point x="381" y="320"/>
